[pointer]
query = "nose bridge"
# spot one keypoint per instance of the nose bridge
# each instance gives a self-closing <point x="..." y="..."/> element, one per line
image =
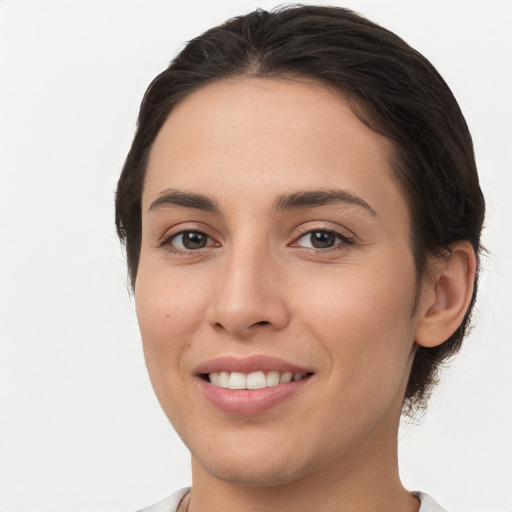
<point x="247" y="291"/>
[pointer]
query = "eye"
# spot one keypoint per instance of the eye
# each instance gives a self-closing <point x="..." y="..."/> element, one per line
<point x="321" y="239"/>
<point x="189" y="241"/>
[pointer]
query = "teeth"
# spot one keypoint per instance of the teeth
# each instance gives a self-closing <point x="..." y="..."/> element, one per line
<point x="237" y="381"/>
<point x="273" y="378"/>
<point x="254" y="380"/>
<point x="223" y="380"/>
<point x="286" y="377"/>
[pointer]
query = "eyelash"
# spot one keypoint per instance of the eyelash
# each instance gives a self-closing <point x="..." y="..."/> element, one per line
<point x="344" y="238"/>
<point x="167" y="241"/>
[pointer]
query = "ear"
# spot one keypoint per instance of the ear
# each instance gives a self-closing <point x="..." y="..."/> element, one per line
<point x="446" y="294"/>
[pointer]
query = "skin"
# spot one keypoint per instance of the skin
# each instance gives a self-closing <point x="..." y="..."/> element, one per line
<point x="259" y="287"/>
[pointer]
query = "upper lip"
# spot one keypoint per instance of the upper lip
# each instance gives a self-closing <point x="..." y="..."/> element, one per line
<point x="248" y="365"/>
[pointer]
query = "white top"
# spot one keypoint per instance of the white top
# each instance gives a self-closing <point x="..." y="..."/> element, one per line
<point x="171" y="503"/>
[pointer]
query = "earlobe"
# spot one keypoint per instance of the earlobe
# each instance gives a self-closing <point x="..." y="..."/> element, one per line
<point x="446" y="295"/>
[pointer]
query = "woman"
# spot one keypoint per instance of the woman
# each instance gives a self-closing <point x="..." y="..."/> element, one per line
<point x="302" y="216"/>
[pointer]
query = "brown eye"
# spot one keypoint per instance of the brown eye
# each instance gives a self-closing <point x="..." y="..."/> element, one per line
<point x="322" y="239"/>
<point x="190" y="240"/>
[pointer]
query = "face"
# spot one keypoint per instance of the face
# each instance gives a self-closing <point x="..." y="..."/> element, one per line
<point x="275" y="246"/>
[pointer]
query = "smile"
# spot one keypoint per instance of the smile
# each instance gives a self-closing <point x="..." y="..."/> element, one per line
<point x="251" y="385"/>
<point x="253" y="380"/>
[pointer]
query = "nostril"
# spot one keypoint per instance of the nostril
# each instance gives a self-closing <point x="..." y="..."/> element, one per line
<point x="263" y="322"/>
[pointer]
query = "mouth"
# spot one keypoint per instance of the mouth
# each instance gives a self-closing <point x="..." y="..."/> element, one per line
<point x="254" y="380"/>
<point x="250" y="385"/>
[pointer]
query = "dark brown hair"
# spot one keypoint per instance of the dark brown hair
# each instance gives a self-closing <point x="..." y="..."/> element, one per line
<point x="390" y="86"/>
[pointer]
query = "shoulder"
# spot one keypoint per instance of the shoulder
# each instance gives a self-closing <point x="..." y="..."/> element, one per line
<point x="169" y="504"/>
<point x="427" y="503"/>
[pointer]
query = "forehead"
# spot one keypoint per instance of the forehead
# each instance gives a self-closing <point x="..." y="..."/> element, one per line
<point x="246" y="139"/>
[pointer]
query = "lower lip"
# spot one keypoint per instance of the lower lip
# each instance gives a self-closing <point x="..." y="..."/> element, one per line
<point x="249" y="402"/>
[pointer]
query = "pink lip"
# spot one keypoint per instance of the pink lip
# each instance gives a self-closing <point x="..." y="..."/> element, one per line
<point x="247" y="402"/>
<point x="248" y="365"/>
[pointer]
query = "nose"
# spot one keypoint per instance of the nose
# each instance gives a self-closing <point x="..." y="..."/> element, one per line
<point x="249" y="295"/>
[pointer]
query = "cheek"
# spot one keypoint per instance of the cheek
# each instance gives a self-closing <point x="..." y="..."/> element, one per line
<point x="169" y="311"/>
<point x="365" y="329"/>
<point x="358" y="298"/>
<point x="364" y="320"/>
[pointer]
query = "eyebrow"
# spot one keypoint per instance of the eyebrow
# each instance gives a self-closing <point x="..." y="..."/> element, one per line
<point x="289" y="201"/>
<point x="313" y="198"/>
<point x="173" y="197"/>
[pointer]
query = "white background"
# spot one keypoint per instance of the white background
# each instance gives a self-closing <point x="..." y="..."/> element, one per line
<point x="80" y="429"/>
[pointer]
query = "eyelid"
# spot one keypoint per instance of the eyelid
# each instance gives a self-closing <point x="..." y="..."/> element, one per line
<point x="180" y="229"/>
<point x="346" y="237"/>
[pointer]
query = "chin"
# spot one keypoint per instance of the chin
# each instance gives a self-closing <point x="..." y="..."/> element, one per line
<point x="253" y="474"/>
<point x="253" y="456"/>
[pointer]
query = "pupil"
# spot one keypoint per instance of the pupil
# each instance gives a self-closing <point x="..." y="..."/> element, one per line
<point x="322" y="239"/>
<point x="193" y="240"/>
